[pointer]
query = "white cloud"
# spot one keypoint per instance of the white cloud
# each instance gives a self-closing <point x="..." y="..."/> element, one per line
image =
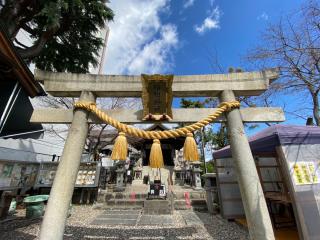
<point x="210" y="22"/>
<point x="154" y="55"/>
<point x="138" y="41"/>
<point x="263" y="16"/>
<point x="188" y="3"/>
<point x="207" y="24"/>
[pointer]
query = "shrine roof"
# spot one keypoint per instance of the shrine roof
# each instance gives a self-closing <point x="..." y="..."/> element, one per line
<point x="275" y="135"/>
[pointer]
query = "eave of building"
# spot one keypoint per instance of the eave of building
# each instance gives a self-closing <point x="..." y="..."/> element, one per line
<point x="19" y="70"/>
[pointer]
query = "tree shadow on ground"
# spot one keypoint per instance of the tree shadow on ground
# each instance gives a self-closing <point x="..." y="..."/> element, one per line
<point x="15" y="235"/>
<point x="9" y="230"/>
<point x="18" y="222"/>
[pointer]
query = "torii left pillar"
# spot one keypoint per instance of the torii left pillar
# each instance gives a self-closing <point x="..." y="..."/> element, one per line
<point x="54" y="221"/>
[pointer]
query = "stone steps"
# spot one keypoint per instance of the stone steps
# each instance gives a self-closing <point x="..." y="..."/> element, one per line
<point x="199" y="205"/>
<point x="125" y="207"/>
<point x="191" y="194"/>
<point x="181" y="205"/>
<point x="195" y="204"/>
<point x="117" y="217"/>
<point x="131" y="196"/>
<point x="125" y="203"/>
<point x="134" y="197"/>
<point x="178" y="204"/>
<point x="157" y="207"/>
<point x="106" y="196"/>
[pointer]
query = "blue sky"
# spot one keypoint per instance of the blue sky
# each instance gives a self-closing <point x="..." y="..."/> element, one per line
<point x="183" y="36"/>
<point x="239" y="26"/>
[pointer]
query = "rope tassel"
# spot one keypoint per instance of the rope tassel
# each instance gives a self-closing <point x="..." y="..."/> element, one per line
<point x="156" y="158"/>
<point x="120" y="148"/>
<point x="190" y="150"/>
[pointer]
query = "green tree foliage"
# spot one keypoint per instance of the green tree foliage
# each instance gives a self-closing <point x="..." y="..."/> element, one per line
<point x="209" y="166"/>
<point x="186" y="103"/>
<point x="64" y="32"/>
<point x="219" y="138"/>
<point x="207" y="102"/>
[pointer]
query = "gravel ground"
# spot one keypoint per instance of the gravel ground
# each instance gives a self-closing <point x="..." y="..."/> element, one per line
<point x="220" y="229"/>
<point x="79" y="227"/>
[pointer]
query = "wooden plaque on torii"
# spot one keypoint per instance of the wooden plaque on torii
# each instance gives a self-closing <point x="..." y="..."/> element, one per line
<point x="157" y="97"/>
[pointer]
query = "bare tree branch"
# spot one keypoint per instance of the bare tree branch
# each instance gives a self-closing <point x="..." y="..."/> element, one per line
<point x="94" y="141"/>
<point x="293" y="44"/>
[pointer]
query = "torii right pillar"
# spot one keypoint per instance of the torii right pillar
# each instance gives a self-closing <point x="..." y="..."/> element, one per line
<point x="255" y="207"/>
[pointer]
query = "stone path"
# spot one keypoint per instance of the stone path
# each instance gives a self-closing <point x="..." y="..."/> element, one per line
<point x="161" y="220"/>
<point x="185" y="224"/>
<point x="191" y="218"/>
<point x="117" y="217"/>
<point x="88" y="223"/>
<point x="131" y="218"/>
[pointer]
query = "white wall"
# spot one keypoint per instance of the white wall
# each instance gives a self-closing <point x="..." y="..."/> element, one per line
<point x="28" y="150"/>
<point x="306" y="196"/>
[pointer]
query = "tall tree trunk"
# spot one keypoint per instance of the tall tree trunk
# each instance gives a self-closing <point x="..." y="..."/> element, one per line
<point x="316" y="111"/>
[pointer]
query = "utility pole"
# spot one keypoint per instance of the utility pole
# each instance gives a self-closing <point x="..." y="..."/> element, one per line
<point x="104" y="33"/>
<point x="106" y="37"/>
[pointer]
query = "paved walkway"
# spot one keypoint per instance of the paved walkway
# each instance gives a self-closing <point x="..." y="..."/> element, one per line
<point x="88" y="223"/>
<point x="191" y="218"/>
<point x="136" y="218"/>
<point x="181" y="225"/>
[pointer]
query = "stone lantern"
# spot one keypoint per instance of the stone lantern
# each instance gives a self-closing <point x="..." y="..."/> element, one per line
<point x="120" y="180"/>
<point x="196" y="175"/>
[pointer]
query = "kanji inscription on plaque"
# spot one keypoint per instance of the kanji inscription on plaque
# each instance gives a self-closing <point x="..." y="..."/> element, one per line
<point x="157" y="96"/>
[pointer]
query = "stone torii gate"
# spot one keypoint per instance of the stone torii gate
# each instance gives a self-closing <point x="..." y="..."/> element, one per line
<point x="225" y="86"/>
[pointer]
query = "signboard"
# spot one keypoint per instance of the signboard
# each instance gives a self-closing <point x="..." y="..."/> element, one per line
<point x="88" y="174"/>
<point x="47" y="173"/>
<point x="305" y="173"/>
<point x="14" y="174"/>
<point x="157" y="190"/>
<point x="18" y="174"/>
